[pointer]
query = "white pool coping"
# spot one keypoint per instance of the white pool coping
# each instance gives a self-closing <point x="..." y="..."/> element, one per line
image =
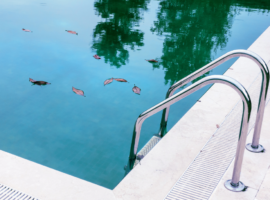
<point x="263" y="193"/>
<point x="162" y="167"/>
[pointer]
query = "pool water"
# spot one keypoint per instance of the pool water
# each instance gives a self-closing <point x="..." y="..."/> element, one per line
<point x="89" y="137"/>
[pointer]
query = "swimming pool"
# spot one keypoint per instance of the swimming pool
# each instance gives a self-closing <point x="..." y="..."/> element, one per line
<point x="89" y="137"/>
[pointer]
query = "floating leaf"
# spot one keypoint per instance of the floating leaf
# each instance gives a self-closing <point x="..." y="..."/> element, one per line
<point x="32" y="80"/>
<point x="26" y="30"/>
<point x="218" y="126"/>
<point x="38" y="82"/>
<point x="120" y="79"/>
<point x="72" y="32"/>
<point x="96" y="56"/>
<point x="108" y="81"/>
<point x="136" y="90"/>
<point x="152" y="60"/>
<point x="77" y="91"/>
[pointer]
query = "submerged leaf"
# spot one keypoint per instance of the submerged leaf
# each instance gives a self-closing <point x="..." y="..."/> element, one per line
<point x="77" y="91"/>
<point x="136" y="90"/>
<point x="96" y="56"/>
<point x="72" y="32"/>
<point x="26" y="30"/>
<point x="108" y="81"/>
<point x="38" y="82"/>
<point x="120" y="79"/>
<point x="152" y="60"/>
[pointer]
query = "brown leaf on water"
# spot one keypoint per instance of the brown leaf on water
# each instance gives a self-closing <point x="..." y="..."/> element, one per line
<point x="136" y="90"/>
<point x="41" y="83"/>
<point x="152" y="60"/>
<point x="32" y="80"/>
<point x="108" y="81"/>
<point x="218" y="126"/>
<point x="26" y="30"/>
<point x="72" y="32"/>
<point x="38" y="82"/>
<point x="96" y="57"/>
<point x="120" y="79"/>
<point x="77" y="91"/>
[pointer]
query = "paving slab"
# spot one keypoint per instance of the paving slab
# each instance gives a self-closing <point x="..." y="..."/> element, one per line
<point x="264" y="191"/>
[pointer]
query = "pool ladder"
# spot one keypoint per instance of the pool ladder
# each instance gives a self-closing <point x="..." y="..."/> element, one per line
<point x="234" y="184"/>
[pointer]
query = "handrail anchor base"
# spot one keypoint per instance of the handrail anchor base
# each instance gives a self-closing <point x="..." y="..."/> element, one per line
<point x="240" y="187"/>
<point x="259" y="149"/>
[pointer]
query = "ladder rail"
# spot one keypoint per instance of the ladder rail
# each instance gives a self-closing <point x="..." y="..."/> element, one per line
<point x="235" y="182"/>
<point x="255" y="146"/>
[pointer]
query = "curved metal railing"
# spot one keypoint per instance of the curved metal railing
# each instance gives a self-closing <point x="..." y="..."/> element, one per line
<point x="233" y="184"/>
<point x="255" y="146"/>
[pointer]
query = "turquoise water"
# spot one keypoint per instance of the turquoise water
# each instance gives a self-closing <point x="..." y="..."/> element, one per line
<point x="89" y="137"/>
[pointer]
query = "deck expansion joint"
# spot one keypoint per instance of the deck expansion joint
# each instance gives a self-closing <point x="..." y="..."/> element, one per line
<point x="7" y="193"/>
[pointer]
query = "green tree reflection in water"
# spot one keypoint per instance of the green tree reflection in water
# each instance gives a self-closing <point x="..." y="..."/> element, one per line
<point x="189" y="37"/>
<point x="116" y="34"/>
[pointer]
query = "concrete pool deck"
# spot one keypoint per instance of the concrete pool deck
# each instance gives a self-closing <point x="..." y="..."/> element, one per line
<point x="171" y="157"/>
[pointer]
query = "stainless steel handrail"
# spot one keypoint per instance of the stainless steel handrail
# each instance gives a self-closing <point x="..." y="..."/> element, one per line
<point x="255" y="146"/>
<point x="234" y="184"/>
